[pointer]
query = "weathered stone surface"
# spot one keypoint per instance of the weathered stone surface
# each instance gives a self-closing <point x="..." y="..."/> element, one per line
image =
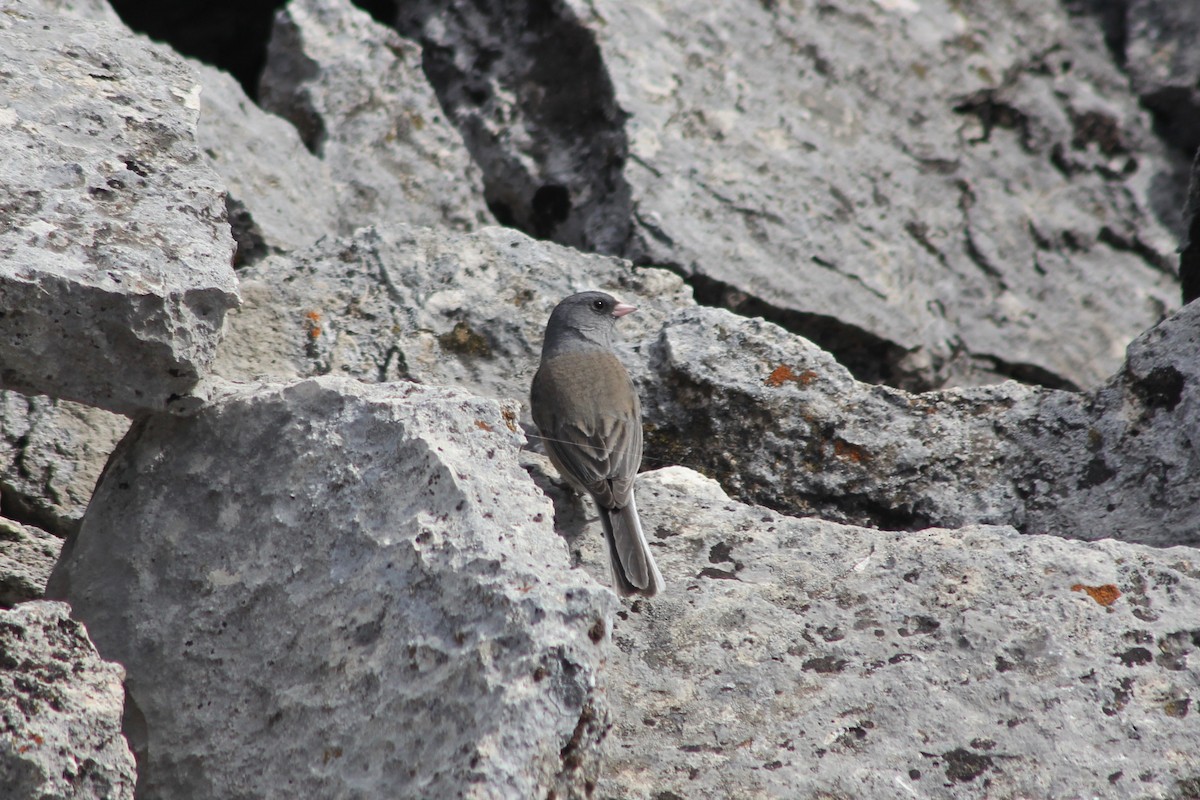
<point x="94" y="10"/>
<point x="60" y="711"/>
<point x="801" y="658"/>
<point x="936" y="193"/>
<point x="1155" y="42"/>
<point x="347" y="590"/>
<point x="776" y="419"/>
<point x="780" y="423"/>
<point x="114" y="250"/>
<point x="355" y="91"/>
<point x="428" y="305"/>
<point x="26" y="557"/>
<point x="279" y="196"/>
<point x="51" y="455"/>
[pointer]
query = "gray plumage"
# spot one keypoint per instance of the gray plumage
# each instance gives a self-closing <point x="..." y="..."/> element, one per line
<point x="590" y="418"/>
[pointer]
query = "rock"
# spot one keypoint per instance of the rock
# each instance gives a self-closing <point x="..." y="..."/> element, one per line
<point x="1154" y="44"/>
<point x="344" y="589"/>
<point x="60" y="710"/>
<point x="355" y="91"/>
<point x="936" y="194"/>
<point x="801" y="658"/>
<point x="425" y="304"/>
<point x="278" y="193"/>
<point x="51" y="455"/>
<point x="770" y="415"/>
<point x="26" y="557"/>
<point x="781" y="424"/>
<point x="114" y="249"/>
<point x="94" y="10"/>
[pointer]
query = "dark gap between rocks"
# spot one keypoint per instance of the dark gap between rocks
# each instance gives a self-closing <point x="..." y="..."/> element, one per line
<point x="533" y="65"/>
<point x="1189" y="252"/>
<point x="869" y="358"/>
<point x="229" y="34"/>
<point x="19" y="508"/>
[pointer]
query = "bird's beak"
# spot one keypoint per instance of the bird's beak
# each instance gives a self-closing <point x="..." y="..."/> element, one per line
<point x="621" y="309"/>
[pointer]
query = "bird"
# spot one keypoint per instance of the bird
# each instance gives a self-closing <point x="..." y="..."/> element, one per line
<point x="590" y="419"/>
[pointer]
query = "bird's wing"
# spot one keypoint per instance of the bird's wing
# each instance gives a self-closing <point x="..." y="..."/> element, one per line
<point x="590" y="421"/>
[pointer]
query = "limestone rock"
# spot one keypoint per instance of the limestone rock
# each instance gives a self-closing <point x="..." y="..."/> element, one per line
<point x="278" y="192"/>
<point x="355" y="91"/>
<point x="26" y="557"/>
<point x="429" y="305"/>
<point x="60" y="711"/>
<point x="51" y="455"/>
<point x="1156" y="39"/>
<point x="348" y="590"/>
<point x="780" y="423"/>
<point x="937" y="193"/>
<point x="802" y="658"/>
<point x="114" y="250"/>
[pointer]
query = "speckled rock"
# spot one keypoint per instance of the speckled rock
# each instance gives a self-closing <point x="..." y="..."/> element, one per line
<point x="60" y="711"/>
<point x="780" y="423"/>
<point x="429" y="305"/>
<point x="114" y="250"/>
<point x="26" y="557"/>
<point x="348" y="590"/>
<point x="801" y="658"/>
<point x="937" y="193"/>
<point x="355" y="91"/>
<point x="1154" y="40"/>
<point x="51" y="455"/>
<point x="278" y="193"/>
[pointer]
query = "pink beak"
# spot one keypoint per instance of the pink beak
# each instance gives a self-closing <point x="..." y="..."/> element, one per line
<point x="621" y="309"/>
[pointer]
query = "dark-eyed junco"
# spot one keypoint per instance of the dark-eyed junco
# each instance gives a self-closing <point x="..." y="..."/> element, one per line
<point x="590" y="419"/>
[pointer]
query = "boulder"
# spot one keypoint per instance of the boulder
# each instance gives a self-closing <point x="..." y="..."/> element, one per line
<point x="342" y="589"/>
<point x="60" y="710"/>
<point x="114" y="248"/>
<point x="803" y="658"/>
<point x="776" y="419"/>
<point x="938" y="194"/>
<point x="780" y="423"/>
<point x="26" y="557"/>
<point x="355" y="91"/>
<point x="278" y="194"/>
<point x="51" y="455"/>
<point x="399" y="302"/>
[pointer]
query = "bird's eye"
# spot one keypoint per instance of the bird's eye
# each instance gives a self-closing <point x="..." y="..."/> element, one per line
<point x="598" y="305"/>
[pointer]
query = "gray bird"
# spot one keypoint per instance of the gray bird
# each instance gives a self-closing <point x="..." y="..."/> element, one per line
<point x="590" y="419"/>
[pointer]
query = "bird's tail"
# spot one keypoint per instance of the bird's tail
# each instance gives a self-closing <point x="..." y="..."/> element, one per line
<point x="633" y="567"/>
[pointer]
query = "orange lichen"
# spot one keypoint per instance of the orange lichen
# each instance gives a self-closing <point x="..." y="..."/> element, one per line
<point x="851" y="452"/>
<point x="510" y="419"/>
<point x="483" y="426"/>
<point x="783" y="373"/>
<point x="312" y="322"/>
<point x="1105" y="595"/>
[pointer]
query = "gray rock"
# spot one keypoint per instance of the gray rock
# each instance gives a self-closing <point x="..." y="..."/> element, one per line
<point x="1157" y="50"/>
<point x="427" y="305"/>
<point x="773" y="417"/>
<point x="114" y="249"/>
<point x="60" y="711"/>
<point x="347" y="590"/>
<point x="26" y="557"/>
<point x="781" y="424"/>
<point x="279" y="196"/>
<point x="51" y="455"/>
<point x="937" y="194"/>
<point x="355" y="91"/>
<point x="801" y="658"/>
<point x="94" y="10"/>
